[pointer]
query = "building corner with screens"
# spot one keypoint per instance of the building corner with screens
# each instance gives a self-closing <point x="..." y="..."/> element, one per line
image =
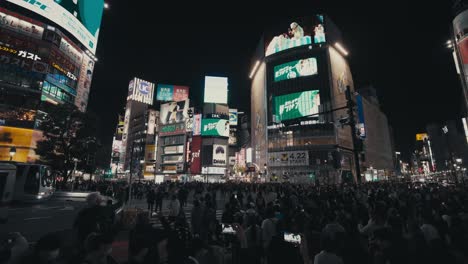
<point x="299" y="75"/>
<point x="459" y="43"/>
<point x="44" y="62"/>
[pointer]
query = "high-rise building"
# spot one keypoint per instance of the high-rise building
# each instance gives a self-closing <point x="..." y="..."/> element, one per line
<point x="299" y="114"/>
<point x="47" y="56"/>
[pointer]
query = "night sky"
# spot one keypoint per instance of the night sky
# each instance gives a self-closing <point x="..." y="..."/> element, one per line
<point x="398" y="48"/>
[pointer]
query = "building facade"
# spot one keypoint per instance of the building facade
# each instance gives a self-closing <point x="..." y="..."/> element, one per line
<point x="41" y="62"/>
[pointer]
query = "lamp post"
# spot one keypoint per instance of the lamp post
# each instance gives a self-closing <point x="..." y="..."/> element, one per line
<point x="12" y="152"/>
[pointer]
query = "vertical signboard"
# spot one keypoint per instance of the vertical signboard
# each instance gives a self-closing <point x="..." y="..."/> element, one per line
<point x="197" y="124"/>
<point x="219" y="155"/>
<point x="142" y="91"/>
<point x="195" y="167"/>
<point x="233" y="117"/>
<point x="84" y="83"/>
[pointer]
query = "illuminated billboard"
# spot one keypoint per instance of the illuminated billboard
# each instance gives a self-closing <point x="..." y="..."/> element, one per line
<point x="197" y="125"/>
<point x="141" y="91"/>
<point x="215" y="127"/>
<point x="216" y="90"/>
<point x="21" y="24"/>
<point x="288" y="158"/>
<point x="81" y="18"/>
<point x="296" y="105"/>
<point x="296" y="33"/>
<point x="174" y="112"/>
<point x="167" y="92"/>
<point x="195" y="167"/>
<point x="421" y="136"/>
<point x="25" y="141"/>
<point x="84" y="83"/>
<point x="219" y="155"/>
<point x="295" y="69"/>
<point x="233" y="116"/>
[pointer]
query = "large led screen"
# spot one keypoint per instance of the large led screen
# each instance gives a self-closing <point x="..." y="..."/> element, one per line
<point x="215" y="127"/>
<point x="295" y="69"/>
<point x="296" y="105"/>
<point x="174" y="112"/>
<point x="216" y="90"/>
<point x="296" y="33"/>
<point x="82" y="18"/>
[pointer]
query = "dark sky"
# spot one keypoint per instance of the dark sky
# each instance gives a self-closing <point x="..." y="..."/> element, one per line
<point x="398" y="48"/>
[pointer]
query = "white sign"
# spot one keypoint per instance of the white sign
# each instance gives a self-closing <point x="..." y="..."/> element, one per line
<point x="288" y="158"/>
<point x="19" y="25"/>
<point x="152" y="122"/>
<point x="141" y="91"/>
<point x="219" y="155"/>
<point x="213" y="170"/>
<point x="216" y="90"/>
<point x="233" y="117"/>
<point x="81" y="19"/>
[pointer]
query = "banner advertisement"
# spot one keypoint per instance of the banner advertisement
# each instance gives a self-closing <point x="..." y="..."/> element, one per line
<point x="84" y="83"/>
<point x="120" y="128"/>
<point x="174" y="129"/>
<point x="295" y="69"/>
<point x="296" y="33"/>
<point x="219" y="155"/>
<point x="216" y="90"/>
<point x="168" y="92"/>
<point x="361" y="125"/>
<point x="81" y="18"/>
<point x="232" y="137"/>
<point x="195" y="167"/>
<point x="174" y="112"/>
<point x="189" y="122"/>
<point x="141" y="91"/>
<point x="215" y="127"/>
<point x="296" y="105"/>
<point x="288" y="158"/>
<point x="197" y="120"/>
<point x="213" y="170"/>
<point x="152" y="121"/>
<point x="233" y="117"/>
<point x="21" y="24"/>
<point x="241" y="157"/>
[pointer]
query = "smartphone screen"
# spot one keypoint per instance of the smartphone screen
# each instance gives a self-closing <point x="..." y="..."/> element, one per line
<point x="292" y="238"/>
<point x="227" y="229"/>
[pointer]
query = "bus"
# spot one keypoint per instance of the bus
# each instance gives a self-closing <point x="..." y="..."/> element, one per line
<point x="25" y="182"/>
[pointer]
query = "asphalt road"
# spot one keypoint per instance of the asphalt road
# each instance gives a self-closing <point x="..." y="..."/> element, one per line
<point x="36" y="220"/>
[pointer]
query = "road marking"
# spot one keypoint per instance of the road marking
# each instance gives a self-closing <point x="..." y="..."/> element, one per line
<point x="68" y="208"/>
<point x="37" y="218"/>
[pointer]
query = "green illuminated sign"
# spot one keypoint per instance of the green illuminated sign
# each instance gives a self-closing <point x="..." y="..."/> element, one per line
<point x="296" y="105"/>
<point x="215" y="127"/>
<point x="295" y="69"/>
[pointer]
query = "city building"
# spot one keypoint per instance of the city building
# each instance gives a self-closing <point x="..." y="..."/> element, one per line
<point x="459" y="44"/>
<point x="47" y="56"/>
<point x="300" y="128"/>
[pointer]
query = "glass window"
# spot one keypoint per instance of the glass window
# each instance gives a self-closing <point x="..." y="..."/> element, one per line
<point x="31" y="184"/>
<point x="53" y="90"/>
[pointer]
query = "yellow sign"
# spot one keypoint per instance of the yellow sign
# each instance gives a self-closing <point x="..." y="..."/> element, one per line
<point x="24" y="140"/>
<point x="421" y="136"/>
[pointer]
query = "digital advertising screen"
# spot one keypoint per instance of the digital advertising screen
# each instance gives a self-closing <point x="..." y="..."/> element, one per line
<point x="233" y="117"/>
<point x="215" y="127"/>
<point x="295" y="33"/>
<point x="82" y="18"/>
<point x="174" y="112"/>
<point x="216" y="90"/>
<point x="168" y="92"/>
<point x="21" y="24"/>
<point x="295" y="69"/>
<point x="296" y="105"/>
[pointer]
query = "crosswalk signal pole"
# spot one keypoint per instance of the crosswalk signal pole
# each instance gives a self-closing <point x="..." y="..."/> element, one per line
<point x="352" y="124"/>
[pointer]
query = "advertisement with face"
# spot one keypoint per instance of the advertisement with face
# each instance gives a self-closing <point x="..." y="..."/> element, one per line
<point x="296" y="33"/>
<point x="215" y="127"/>
<point x="219" y="155"/>
<point x="232" y="137"/>
<point x="84" y="83"/>
<point x="82" y="18"/>
<point x="174" y="112"/>
<point x="296" y="105"/>
<point x="152" y="122"/>
<point x="295" y="69"/>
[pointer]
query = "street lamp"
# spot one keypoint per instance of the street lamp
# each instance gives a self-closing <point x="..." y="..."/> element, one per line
<point x="12" y="152"/>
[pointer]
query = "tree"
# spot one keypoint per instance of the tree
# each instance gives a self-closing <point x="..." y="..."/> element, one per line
<point x="69" y="135"/>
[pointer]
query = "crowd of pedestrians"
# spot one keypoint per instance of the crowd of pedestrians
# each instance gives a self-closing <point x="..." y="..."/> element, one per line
<point x="374" y="223"/>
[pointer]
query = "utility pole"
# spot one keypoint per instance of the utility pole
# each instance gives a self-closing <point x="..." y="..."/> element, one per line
<point x="352" y="124"/>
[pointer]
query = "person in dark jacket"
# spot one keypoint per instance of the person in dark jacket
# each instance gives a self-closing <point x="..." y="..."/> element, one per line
<point x="150" y="199"/>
